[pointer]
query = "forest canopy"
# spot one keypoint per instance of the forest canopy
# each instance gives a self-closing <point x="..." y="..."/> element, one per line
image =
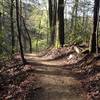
<point x="78" y="23"/>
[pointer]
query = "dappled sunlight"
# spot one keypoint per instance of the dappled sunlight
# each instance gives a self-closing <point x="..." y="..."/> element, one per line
<point x="54" y="79"/>
<point x="58" y="80"/>
<point x="49" y="50"/>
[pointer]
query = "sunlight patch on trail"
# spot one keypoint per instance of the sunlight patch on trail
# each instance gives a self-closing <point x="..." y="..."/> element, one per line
<point x="43" y="60"/>
<point x="56" y="82"/>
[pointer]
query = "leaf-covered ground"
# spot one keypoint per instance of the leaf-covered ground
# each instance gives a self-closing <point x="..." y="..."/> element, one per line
<point x="58" y="74"/>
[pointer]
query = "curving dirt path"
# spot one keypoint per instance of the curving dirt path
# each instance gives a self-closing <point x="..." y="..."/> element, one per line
<point x="56" y="82"/>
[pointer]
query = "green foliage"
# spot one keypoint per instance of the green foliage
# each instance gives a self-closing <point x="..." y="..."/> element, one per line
<point x="39" y="20"/>
<point x="81" y="34"/>
<point x="5" y="47"/>
<point x="1" y="37"/>
<point x="39" y="44"/>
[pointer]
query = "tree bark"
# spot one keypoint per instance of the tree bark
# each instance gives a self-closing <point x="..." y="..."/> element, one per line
<point x="76" y="14"/>
<point x="52" y="20"/>
<point x="61" y="21"/>
<point x="12" y="25"/>
<point x="94" y="43"/>
<point x="0" y="23"/>
<point x="50" y="14"/>
<point x="30" y="42"/>
<point x="19" y="31"/>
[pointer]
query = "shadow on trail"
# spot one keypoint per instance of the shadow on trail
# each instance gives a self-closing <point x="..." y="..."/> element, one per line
<point x="58" y="81"/>
<point x="64" y="70"/>
<point x="70" y="93"/>
<point x="61" y="56"/>
<point x="35" y="63"/>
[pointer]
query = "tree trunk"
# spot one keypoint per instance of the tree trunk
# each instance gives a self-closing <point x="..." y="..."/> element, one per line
<point x="50" y="14"/>
<point x="19" y="31"/>
<point x="94" y="43"/>
<point x="12" y="25"/>
<point x="3" y="18"/>
<point x="76" y="14"/>
<point x="0" y="23"/>
<point x="52" y="20"/>
<point x="61" y="21"/>
<point x="30" y="42"/>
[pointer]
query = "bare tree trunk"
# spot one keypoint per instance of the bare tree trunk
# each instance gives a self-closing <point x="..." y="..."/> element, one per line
<point x="12" y="26"/>
<point x="50" y="3"/>
<point x="52" y="19"/>
<point x="0" y="23"/>
<point x="30" y="42"/>
<point x="94" y="39"/>
<point x="50" y="14"/>
<point x="23" y="35"/>
<point x="72" y="19"/>
<point x="37" y="49"/>
<point x="3" y="19"/>
<point x="76" y="14"/>
<point x="61" y="21"/>
<point x="19" y="31"/>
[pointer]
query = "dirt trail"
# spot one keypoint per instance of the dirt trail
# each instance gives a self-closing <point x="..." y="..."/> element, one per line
<point x="56" y="82"/>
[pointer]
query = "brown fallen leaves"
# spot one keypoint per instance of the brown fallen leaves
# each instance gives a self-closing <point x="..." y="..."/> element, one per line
<point x="17" y="82"/>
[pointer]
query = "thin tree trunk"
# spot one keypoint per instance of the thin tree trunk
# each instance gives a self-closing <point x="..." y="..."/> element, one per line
<point x="76" y="14"/>
<point x="37" y="49"/>
<point x="72" y="19"/>
<point x="54" y="22"/>
<point x="12" y="26"/>
<point x="3" y="19"/>
<point x="47" y="32"/>
<point x="50" y="14"/>
<point x="30" y="42"/>
<point x="0" y="22"/>
<point x="19" y="31"/>
<point x="21" y="28"/>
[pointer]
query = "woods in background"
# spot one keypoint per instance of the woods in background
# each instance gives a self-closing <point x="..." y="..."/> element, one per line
<point x="28" y="26"/>
<point x="49" y="47"/>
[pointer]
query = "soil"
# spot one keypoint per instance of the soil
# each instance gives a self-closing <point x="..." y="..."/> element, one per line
<point x="59" y="74"/>
<point x="56" y="82"/>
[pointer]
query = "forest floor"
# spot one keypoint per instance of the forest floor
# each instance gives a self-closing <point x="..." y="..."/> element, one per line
<point x="58" y="74"/>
